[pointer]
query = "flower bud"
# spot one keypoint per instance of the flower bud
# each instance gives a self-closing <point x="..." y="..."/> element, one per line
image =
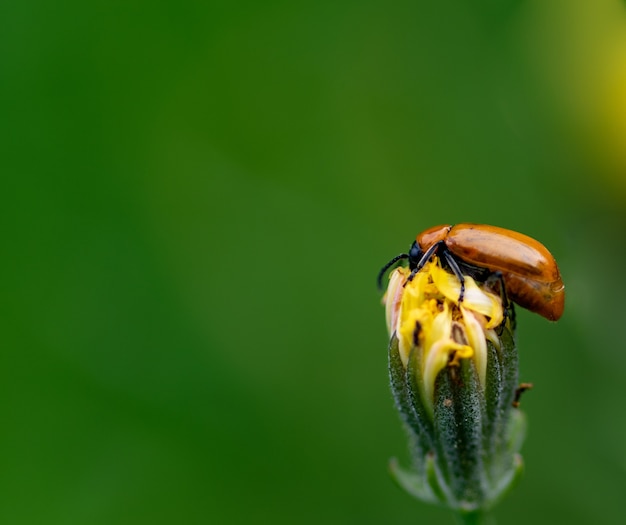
<point x="453" y="371"/>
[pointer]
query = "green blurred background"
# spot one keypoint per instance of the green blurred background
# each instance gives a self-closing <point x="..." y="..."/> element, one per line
<point x="197" y="197"/>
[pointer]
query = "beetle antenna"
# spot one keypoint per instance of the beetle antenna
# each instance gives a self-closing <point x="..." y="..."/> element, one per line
<point x="387" y="266"/>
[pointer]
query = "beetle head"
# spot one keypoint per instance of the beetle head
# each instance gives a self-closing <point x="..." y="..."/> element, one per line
<point x="415" y="255"/>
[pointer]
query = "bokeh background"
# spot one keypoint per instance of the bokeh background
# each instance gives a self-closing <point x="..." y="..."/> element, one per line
<point x="196" y="199"/>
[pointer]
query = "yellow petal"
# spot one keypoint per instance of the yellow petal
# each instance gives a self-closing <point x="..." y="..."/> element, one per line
<point x="446" y="282"/>
<point x="476" y="339"/>
<point x="393" y="297"/>
<point x="415" y="325"/>
<point x="486" y="303"/>
<point x="436" y="361"/>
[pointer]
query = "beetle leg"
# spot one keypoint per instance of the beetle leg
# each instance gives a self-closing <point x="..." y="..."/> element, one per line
<point x="456" y="271"/>
<point x="497" y="277"/>
<point x="425" y="258"/>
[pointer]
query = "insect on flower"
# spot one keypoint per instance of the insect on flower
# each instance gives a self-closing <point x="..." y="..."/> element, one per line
<point x="525" y="266"/>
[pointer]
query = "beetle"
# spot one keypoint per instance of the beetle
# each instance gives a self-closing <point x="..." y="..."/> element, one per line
<point x="525" y="266"/>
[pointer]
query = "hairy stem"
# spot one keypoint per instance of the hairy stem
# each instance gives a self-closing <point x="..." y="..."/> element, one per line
<point x="477" y="517"/>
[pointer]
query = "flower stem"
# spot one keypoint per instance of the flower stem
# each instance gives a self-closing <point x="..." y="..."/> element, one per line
<point x="477" y="517"/>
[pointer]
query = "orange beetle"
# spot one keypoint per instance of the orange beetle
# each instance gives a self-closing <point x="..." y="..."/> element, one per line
<point x="526" y="267"/>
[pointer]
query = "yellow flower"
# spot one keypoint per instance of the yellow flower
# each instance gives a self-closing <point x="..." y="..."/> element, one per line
<point x="426" y="316"/>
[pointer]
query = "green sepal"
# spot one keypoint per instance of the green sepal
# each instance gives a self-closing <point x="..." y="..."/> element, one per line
<point x="501" y="383"/>
<point x="516" y="431"/>
<point x="398" y="386"/>
<point x="415" y="381"/>
<point x="508" y="482"/>
<point x="414" y="484"/>
<point x="459" y="410"/>
<point x="433" y="478"/>
<point x="504" y="424"/>
<point x="411" y="412"/>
